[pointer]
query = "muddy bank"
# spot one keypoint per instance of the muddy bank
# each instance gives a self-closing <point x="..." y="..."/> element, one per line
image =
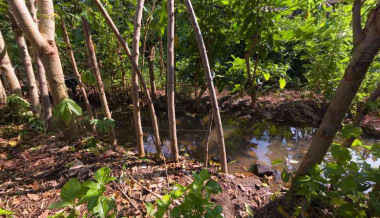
<point x="297" y="108"/>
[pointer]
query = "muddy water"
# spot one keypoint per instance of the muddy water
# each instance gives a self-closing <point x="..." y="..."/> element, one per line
<point x="260" y="146"/>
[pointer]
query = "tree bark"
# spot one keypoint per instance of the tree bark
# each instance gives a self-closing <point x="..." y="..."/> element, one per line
<point x="363" y="54"/>
<point x="171" y="82"/>
<point x="47" y="110"/>
<point x="214" y="100"/>
<point x="27" y="61"/>
<point x="362" y="112"/>
<point x="42" y="38"/>
<point x="151" y="57"/>
<point x="137" y="70"/>
<point x="7" y="68"/>
<point x="135" y="82"/>
<point x="75" y="69"/>
<point x="3" y="94"/>
<point x="96" y="72"/>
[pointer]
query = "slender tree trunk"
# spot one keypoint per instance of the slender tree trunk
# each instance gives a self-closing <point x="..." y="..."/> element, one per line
<point x="27" y="60"/>
<point x="362" y="112"/>
<point x="152" y="55"/>
<point x="7" y="68"/>
<point x="171" y="81"/>
<point x="135" y="82"/>
<point x="47" y="110"/>
<point x="96" y="71"/>
<point x="136" y="69"/>
<point x="162" y="65"/>
<point x="42" y="38"/>
<point x="75" y="69"/>
<point x="363" y="54"/>
<point x="214" y="100"/>
<point x="3" y="94"/>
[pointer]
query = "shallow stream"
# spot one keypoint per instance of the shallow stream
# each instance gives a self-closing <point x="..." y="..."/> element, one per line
<point x="263" y="145"/>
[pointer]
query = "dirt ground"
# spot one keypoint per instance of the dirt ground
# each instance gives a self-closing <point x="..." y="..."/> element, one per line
<point x="33" y="168"/>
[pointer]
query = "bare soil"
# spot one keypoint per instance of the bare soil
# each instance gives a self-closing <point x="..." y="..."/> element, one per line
<point x="34" y="166"/>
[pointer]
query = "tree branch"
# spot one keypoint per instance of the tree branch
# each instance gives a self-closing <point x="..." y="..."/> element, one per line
<point x="26" y="22"/>
<point x="358" y="33"/>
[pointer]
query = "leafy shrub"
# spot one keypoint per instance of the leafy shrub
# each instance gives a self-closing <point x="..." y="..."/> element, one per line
<point x="18" y="103"/>
<point x="75" y="193"/>
<point x="195" y="199"/>
<point x="67" y="110"/>
<point x="103" y="125"/>
<point x="344" y="183"/>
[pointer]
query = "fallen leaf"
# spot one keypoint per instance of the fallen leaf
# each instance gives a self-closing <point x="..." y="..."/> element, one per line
<point x="3" y="156"/>
<point x="36" y="186"/>
<point x="34" y="197"/>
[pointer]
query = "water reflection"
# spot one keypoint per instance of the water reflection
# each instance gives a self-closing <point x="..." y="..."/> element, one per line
<point x="260" y="144"/>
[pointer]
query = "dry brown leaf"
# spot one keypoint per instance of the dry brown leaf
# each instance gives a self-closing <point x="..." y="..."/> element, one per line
<point x="34" y="197"/>
<point x="45" y="214"/>
<point x="36" y="186"/>
<point x="3" y="156"/>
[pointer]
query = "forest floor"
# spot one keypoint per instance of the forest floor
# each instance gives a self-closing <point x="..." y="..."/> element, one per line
<point x="34" y="166"/>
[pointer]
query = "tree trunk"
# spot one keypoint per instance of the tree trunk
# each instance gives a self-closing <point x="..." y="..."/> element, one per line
<point x="3" y="94"/>
<point x="135" y="82"/>
<point x="362" y="112"/>
<point x="42" y="38"/>
<point x="152" y="55"/>
<point x="7" y="68"/>
<point x="214" y="100"/>
<point x="96" y="71"/>
<point x="363" y="54"/>
<point x="136" y="69"/>
<point x="162" y="65"/>
<point x="75" y="69"/>
<point x="171" y="82"/>
<point x="47" y="110"/>
<point x="27" y="61"/>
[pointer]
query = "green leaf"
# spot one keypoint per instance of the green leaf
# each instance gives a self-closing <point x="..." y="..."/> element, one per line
<point x="5" y="212"/>
<point x="356" y="142"/>
<point x="282" y="83"/>
<point x="71" y="190"/>
<point x="285" y="176"/>
<point x="266" y="76"/>
<point x="149" y="209"/>
<point x="340" y="154"/>
<point x="203" y="175"/>
<point x="104" y="207"/>
<point x="350" y="130"/>
<point x="304" y="179"/>
<point x="213" y="187"/>
<point x="102" y="175"/>
<point x="277" y="162"/>
<point x="60" y="204"/>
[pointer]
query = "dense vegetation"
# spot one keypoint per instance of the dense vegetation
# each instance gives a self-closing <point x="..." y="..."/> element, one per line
<point x="70" y="67"/>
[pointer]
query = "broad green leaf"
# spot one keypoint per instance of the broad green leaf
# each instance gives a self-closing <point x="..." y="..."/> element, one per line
<point x="282" y="83"/>
<point x="71" y="190"/>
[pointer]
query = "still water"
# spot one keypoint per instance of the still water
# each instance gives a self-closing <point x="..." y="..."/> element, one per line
<point x="261" y="144"/>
